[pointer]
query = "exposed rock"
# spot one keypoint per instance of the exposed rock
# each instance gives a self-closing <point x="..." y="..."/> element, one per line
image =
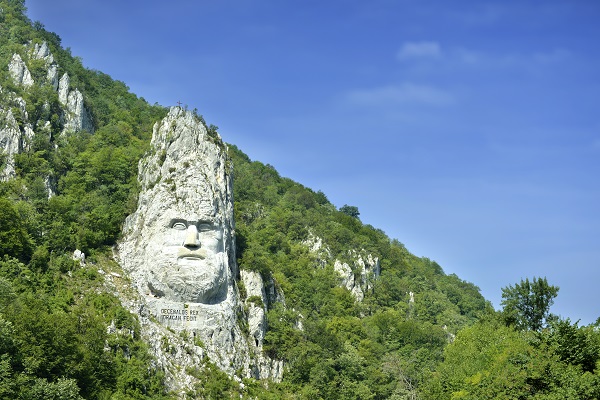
<point x="16" y="130"/>
<point x="42" y="52"/>
<point x="78" y="255"/>
<point x="63" y="89"/>
<point x="14" y="137"/>
<point x="19" y="72"/>
<point x="256" y="303"/>
<point x="10" y="143"/>
<point x="256" y="309"/>
<point x="357" y="275"/>
<point x="178" y="250"/>
<point x="52" y="76"/>
<point x="315" y="245"/>
<point x="77" y="117"/>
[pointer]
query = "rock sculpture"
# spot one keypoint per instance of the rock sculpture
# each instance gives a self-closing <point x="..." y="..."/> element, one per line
<point x="178" y="246"/>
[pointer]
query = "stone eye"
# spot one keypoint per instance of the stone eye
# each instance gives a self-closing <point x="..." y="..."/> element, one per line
<point x="179" y="226"/>
<point x="204" y="228"/>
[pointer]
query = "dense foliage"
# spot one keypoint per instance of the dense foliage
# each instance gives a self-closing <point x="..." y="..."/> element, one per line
<point x="55" y="340"/>
<point x="63" y="336"/>
<point x="491" y="360"/>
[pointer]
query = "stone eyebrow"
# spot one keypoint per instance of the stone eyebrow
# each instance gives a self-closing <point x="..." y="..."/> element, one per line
<point x="203" y="224"/>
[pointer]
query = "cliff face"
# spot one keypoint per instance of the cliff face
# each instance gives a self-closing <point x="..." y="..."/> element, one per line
<point x="357" y="273"/>
<point x="179" y="251"/>
<point x="16" y="126"/>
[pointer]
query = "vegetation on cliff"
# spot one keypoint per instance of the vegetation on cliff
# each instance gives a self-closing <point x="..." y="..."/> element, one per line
<point x="418" y="332"/>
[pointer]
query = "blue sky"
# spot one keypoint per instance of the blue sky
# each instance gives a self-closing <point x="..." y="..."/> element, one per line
<point x="467" y="130"/>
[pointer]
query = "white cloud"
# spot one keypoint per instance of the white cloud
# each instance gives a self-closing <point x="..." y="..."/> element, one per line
<point x="405" y="93"/>
<point x="416" y="50"/>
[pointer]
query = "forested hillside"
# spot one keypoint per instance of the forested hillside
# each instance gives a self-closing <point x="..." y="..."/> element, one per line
<point x="352" y="313"/>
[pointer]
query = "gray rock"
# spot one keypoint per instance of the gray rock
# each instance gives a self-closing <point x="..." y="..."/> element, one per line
<point x="78" y="255"/>
<point x="52" y="76"/>
<point x="357" y="276"/>
<point x="10" y="143"/>
<point x="77" y="117"/>
<point x="178" y="250"/>
<point x="257" y="322"/>
<point x="42" y="52"/>
<point x="19" y="72"/>
<point x="13" y="138"/>
<point x="63" y="89"/>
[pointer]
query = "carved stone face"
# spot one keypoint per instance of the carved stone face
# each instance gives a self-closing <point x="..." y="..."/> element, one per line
<point x="185" y="258"/>
<point x="178" y="244"/>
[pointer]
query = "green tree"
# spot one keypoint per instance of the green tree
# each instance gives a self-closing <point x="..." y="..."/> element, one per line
<point x="14" y="240"/>
<point x="350" y="210"/>
<point x="527" y="304"/>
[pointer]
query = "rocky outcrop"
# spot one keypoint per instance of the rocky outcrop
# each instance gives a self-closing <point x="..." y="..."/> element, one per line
<point x="16" y="129"/>
<point x="256" y="302"/>
<point x="256" y="309"/>
<point x="77" y="118"/>
<point x="14" y="135"/>
<point x="178" y="250"/>
<point x="42" y="52"/>
<point x="63" y="89"/>
<point x="19" y="72"/>
<point x="357" y="273"/>
<point x="10" y="143"/>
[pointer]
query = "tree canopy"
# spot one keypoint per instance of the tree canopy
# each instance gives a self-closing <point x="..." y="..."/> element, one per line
<point x="526" y="305"/>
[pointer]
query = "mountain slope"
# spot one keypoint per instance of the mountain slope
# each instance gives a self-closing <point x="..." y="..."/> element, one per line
<point x="350" y="312"/>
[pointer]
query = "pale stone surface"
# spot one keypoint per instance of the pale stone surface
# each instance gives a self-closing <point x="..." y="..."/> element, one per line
<point x="10" y="142"/>
<point x="178" y="250"/>
<point x="257" y="322"/>
<point x="52" y="76"/>
<point x="42" y="52"/>
<point x="356" y="276"/>
<point x="19" y="72"/>
<point x="77" y="117"/>
<point x="265" y="368"/>
<point x="15" y="138"/>
<point x="368" y="269"/>
<point x="12" y="139"/>
<point x="63" y="89"/>
<point x="78" y="255"/>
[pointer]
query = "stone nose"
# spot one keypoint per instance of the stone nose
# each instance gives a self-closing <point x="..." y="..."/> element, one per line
<point x="191" y="237"/>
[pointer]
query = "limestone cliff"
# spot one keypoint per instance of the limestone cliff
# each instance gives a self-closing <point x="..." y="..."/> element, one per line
<point x="179" y="252"/>
<point x="16" y="127"/>
<point x="357" y="272"/>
